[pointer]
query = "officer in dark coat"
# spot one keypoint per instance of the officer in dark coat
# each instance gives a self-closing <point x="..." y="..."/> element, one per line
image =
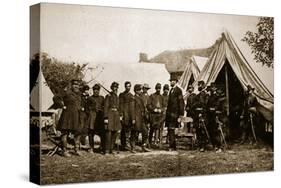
<point x="190" y="101"/>
<point x="95" y="120"/>
<point x="126" y="101"/>
<point x="69" y="121"/>
<point x="138" y="115"/>
<point x="248" y="115"/>
<point x="156" y="107"/>
<point x="213" y="107"/>
<point x="83" y="116"/>
<point x="175" y="110"/>
<point x="112" y="117"/>
<point x="165" y="95"/>
<point x="200" y="107"/>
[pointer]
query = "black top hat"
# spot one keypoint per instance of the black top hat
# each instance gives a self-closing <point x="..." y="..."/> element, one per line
<point x="174" y="77"/>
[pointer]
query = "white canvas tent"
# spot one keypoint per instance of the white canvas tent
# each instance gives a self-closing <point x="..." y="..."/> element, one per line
<point x="227" y="52"/>
<point x="136" y="73"/>
<point x="41" y="97"/>
<point x="191" y="71"/>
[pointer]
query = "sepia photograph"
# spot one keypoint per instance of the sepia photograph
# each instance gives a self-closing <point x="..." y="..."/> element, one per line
<point x="126" y="94"/>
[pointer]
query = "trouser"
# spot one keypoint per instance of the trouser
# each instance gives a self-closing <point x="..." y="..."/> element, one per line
<point x="135" y="134"/>
<point x="125" y="135"/>
<point x="172" y="138"/>
<point x="110" y="139"/>
<point x="202" y="137"/>
<point x="101" y="134"/>
<point x="77" y="138"/>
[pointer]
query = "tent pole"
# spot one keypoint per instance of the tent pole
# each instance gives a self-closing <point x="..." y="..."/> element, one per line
<point x="227" y="90"/>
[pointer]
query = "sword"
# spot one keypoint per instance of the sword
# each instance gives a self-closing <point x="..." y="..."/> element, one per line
<point x="220" y="129"/>
<point x="252" y="126"/>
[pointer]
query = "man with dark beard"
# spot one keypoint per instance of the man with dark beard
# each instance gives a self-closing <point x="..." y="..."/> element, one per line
<point x="175" y="110"/>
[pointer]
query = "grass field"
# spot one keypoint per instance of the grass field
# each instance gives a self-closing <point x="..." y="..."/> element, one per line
<point x="154" y="164"/>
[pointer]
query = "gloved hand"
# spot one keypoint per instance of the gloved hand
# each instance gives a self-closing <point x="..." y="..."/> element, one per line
<point x="64" y="107"/>
<point x="106" y="121"/>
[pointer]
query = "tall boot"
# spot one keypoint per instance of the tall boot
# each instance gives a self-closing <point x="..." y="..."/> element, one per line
<point x="108" y="142"/>
<point x="91" y="143"/>
<point x="77" y="144"/>
<point x="64" y="146"/>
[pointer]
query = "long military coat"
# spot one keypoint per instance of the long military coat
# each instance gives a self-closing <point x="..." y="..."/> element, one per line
<point x="95" y="110"/>
<point x="138" y="113"/>
<point x="175" y="108"/>
<point x="69" y="119"/>
<point x="156" y="101"/>
<point x="126" y="100"/>
<point x="112" y="112"/>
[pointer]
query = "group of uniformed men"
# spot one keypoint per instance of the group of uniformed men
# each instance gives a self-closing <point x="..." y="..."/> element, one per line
<point x="129" y="115"/>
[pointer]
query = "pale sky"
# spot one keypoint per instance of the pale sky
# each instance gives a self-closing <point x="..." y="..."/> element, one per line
<point x="115" y="35"/>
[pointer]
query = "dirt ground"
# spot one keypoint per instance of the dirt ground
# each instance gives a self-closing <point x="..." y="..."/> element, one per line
<point x="154" y="164"/>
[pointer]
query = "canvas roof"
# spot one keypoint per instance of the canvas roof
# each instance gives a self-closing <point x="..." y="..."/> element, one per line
<point x="136" y="73"/>
<point x="192" y="68"/>
<point x="228" y="49"/>
<point x="41" y="88"/>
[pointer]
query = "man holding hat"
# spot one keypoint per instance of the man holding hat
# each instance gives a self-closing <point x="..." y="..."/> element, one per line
<point x="112" y="118"/>
<point x="69" y="120"/>
<point x="95" y="120"/>
<point x="156" y="108"/>
<point x="175" y="109"/>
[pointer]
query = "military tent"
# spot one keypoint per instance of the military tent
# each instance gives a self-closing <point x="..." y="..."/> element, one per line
<point x="228" y="66"/>
<point x="136" y="73"/>
<point x="191" y="72"/>
<point x="41" y="97"/>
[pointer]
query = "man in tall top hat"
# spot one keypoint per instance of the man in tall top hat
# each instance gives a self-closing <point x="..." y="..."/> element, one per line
<point x="95" y="120"/>
<point x="112" y="118"/>
<point x="126" y="100"/>
<point x="175" y="110"/>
